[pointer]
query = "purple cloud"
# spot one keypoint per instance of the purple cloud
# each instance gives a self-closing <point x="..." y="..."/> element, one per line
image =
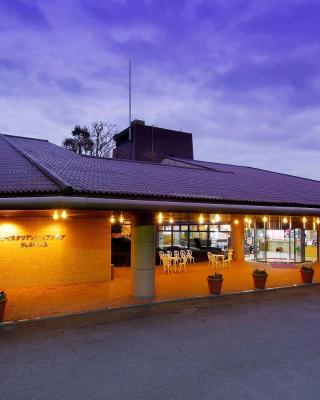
<point x="241" y="75"/>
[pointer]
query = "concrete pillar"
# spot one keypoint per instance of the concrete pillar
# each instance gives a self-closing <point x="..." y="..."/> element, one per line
<point x="108" y="247"/>
<point x="143" y="245"/>
<point x="318" y="244"/>
<point x="237" y="238"/>
<point x="303" y="245"/>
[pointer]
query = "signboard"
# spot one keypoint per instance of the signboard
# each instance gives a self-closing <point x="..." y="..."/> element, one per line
<point x="29" y="241"/>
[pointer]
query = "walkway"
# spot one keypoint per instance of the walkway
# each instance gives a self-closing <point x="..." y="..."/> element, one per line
<point x="51" y="301"/>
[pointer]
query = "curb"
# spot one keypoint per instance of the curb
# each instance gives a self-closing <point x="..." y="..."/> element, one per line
<point x="153" y="303"/>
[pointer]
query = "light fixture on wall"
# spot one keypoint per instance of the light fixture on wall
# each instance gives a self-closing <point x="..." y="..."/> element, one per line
<point x="112" y="219"/>
<point x="64" y="214"/>
<point x="160" y="218"/>
<point x="121" y="220"/>
<point x="236" y="221"/>
<point x="304" y="220"/>
<point x="318" y="221"/>
<point x="201" y="219"/>
<point x="55" y="215"/>
<point x="265" y="219"/>
<point x="171" y="220"/>
<point x="285" y="220"/>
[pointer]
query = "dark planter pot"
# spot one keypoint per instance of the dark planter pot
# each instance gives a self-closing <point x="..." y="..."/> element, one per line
<point x="259" y="281"/>
<point x="307" y="276"/>
<point x="214" y="285"/>
<point x="2" y="308"/>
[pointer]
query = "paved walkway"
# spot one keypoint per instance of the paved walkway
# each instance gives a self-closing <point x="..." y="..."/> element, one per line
<point x="51" y="301"/>
<point x="264" y="347"/>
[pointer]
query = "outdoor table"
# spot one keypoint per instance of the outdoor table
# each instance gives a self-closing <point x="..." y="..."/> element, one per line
<point x="219" y="257"/>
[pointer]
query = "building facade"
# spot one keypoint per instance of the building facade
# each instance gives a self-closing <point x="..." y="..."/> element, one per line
<point x="57" y="209"/>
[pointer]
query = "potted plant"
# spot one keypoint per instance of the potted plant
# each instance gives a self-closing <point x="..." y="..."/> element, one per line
<point x="215" y="283"/>
<point x="3" y="302"/>
<point x="259" y="278"/>
<point x="306" y="274"/>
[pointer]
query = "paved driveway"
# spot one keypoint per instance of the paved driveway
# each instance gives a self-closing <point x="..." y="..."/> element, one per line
<point x="255" y="346"/>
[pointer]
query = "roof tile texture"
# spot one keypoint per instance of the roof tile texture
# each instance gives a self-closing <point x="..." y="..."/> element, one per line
<point x="109" y="177"/>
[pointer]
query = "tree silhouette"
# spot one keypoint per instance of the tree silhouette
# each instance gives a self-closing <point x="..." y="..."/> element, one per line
<point x="96" y="141"/>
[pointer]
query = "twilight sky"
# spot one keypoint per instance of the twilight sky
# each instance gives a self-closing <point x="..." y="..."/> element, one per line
<point x="242" y="75"/>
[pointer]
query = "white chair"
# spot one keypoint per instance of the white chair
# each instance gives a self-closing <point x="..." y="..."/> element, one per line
<point x="228" y="260"/>
<point x="209" y="254"/>
<point x="176" y="254"/>
<point x="213" y="260"/>
<point x="161" y="254"/>
<point x="166" y="262"/>
<point x="183" y="263"/>
<point x="190" y="256"/>
<point x="182" y="253"/>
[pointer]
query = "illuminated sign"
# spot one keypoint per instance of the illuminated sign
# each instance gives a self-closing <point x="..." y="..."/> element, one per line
<point x="29" y="241"/>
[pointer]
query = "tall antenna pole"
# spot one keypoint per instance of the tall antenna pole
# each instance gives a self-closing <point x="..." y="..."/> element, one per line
<point x="130" y="133"/>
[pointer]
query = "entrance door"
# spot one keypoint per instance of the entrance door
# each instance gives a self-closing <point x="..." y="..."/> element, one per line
<point x="261" y="245"/>
<point x="297" y="245"/>
<point x="311" y="245"/>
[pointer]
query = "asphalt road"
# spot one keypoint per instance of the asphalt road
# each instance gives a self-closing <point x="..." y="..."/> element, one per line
<point x="260" y="346"/>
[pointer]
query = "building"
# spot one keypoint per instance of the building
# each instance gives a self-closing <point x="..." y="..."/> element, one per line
<point x="57" y="209"/>
<point x="143" y="142"/>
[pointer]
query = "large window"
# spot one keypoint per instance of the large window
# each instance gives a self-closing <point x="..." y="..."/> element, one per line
<point x="194" y="236"/>
<point x="311" y="241"/>
<point x="277" y="245"/>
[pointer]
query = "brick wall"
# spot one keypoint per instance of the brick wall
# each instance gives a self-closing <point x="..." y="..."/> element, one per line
<point x="82" y="255"/>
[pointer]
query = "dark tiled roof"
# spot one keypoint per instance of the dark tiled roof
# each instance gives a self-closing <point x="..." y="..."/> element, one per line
<point x="37" y="166"/>
<point x="19" y="175"/>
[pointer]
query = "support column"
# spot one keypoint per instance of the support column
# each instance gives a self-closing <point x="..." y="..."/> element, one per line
<point x="303" y="245"/>
<point x="237" y="238"/>
<point x="318" y="244"/>
<point x="143" y="244"/>
<point x="109" y="248"/>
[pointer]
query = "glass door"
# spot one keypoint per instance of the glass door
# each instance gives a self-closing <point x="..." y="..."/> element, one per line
<point x="261" y="244"/>
<point x="249" y="244"/>
<point x="297" y="245"/>
<point x="311" y="242"/>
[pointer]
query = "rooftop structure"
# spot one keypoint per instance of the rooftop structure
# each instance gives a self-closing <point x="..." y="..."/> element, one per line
<point x="151" y="143"/>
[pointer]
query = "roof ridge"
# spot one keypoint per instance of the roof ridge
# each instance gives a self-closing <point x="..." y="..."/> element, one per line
<point x="189" y="162"/>
<point x="65" y="186"/>
<point x="198" y="167"/>
<point x="24" y="137"/>
<point x="185" y="160"/>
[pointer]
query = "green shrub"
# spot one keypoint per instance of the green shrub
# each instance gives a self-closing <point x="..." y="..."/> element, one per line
<point x="3" y="297"/>
<point x="260" y="272"/>
<point x="215" y="277"/>
<point x="306" y="268"/>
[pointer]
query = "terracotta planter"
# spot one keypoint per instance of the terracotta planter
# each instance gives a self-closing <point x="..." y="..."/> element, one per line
<point x="214" y="285"/>
<point x="307" y="276"/>
<point x="2" y="308"/>
<point x="259" y="281"/>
